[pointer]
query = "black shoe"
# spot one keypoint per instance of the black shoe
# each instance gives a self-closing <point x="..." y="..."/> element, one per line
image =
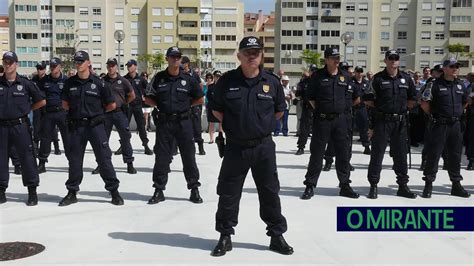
<point x="116" y="198"/>
<point x="351" y="167"/>
<point x="41" y="168"/>
<point x="3" y="197"/>
<point x="299" y="151"/>
<point x="427" y="190"/>
<point x="404" y="191"/>
<point x="131" y="169"/>
<point x="224" y="245"/>
<point x="201" y="148"/>
<point x="346" y="191"/>
<point x="96" y="171"/>
<point x="157" y="197"/>
<point x="69" y="199"/>
<point x="279" y="245"/>
<point x="148" y="151"/>
<point x="459" y="191"/>
<point x="422" y="166"/>
<point x="57" y="151"/>
<point x="119" y="151"/>
<point x="194" y="197"/>
<point x="470" y="166"/>
<point x="17" y="170"/>
<point x="373" y="193"/>
<point x="32" y="197"/>
<point x="327" y="165"/>
<point x="308" y="193"/>
<point x="367" y="150"/>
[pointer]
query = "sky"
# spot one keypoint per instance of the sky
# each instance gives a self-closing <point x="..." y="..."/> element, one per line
<point x="3" y="6"/>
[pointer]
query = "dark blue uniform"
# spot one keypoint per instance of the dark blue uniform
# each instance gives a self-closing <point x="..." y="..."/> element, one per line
<point x="120" y="89"/>
<point x="306" y="113"/>
<point x="53" y="115"/>
<point x="173" y="95"/>
<point x="249" y="107"/>
<point x="361" y="115"/>
<point x="388" y="121"/>
<point x="86" y="113"/>
<point x="37" y="117"/>
<point x="196" y="115"/>
<point x="15" y="105"/>
<point x="469" y="133"/>
<point x="139" y="85"/>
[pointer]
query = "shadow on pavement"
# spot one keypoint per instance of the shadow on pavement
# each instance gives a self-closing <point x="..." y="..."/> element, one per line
<point x="127" y="196"/>
<point x="44" y="197"/>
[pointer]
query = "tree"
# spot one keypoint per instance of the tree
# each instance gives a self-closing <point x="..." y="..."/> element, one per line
<point x="457" y="49"/>
<point x="311" y="57"/>
<point x="152" y="61"/>
<point x="69" y="47"/>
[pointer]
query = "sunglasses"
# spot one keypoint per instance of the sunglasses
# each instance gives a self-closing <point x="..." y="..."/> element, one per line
<point x="393" y="58"/>
<point x="454" y="66"/>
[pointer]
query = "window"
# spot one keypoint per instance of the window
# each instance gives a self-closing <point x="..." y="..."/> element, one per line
<point x="46" y="35"/>
<point x="65" y="22"/>
<point x="134" y="38"/>
<point x="439" y="20"/>
<point x="363" y="21"/>
<point x="118" y="25"/>
<point x="326" y="46"/>
<point x="96" y="25"/>
<point x="96" y="52"/>
<point x="350" y="7"/>
<point x="426" y="20"/>
<point x="26" y="8"/>
<point x="292" y="4"/>
<point x="424" y="64"/>
<point x="156" y="11"/>
<point x="297" y="33"/>
<point x="330" y="33"/>
<point x="96" y="39"/>
<point x="156" y="25"/>
<point x="206" y="37"/>
<point x="27" y="50"/>
<point x="385" y="22"/>
<point x="402" y="6"/>
<point x="439" y="50"/>
<point x="96" y="11"/>
<point x="83" y="11"/>
<point x="230" y="24"/>
<point x="311" y="32"/>
<point x="385" y="8"/>
<point x="384" y="35"/>
<point x="362" y="50"/>
<point x="362" y="35"/>
<point x="27" y="36"/>
<point x="462" y="3"/>
<point x="425" y="50"/>
<point x="440" y="6"/>
<point x="439" y="35"/>
<point x="425" y="35"/>
<point x="350" y="21"/>
<point x="460" y="34"/>
<point x="292" y="19"/>
<point x="168" y="12"/>
<point x="206" y="24"/>
<point x="134" y="11"/>
<point x="402" y="50"/>
<point x="426" y="6"/>
<point x="168" y="39"/>
<point x="225" y="37"/>
<point x="134" y="25"/>
<point x="64" y="36"/>
<point x="168" y="25"/>
<point x="133" y="52"/>
<point x="402" y="20"/>
<point x="384" y="49"/>
<point x="350" y="49"/>
<point x="84" y="38"/>
<point x="363" y="7"/>
<point x="312" y="3"/>
<point x="26" y="22"/>
<point x="83" y="25"/>
<point x="97" y="66"/>
<point x="402" y="35"/>
<point x="461" y="19"/>
<point x="362" y="63"/>
<point x="119" y="11"/>
<point x="156" y="39"/>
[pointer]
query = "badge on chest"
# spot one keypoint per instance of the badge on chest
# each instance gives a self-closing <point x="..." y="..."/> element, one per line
<point x="266" y="88"/>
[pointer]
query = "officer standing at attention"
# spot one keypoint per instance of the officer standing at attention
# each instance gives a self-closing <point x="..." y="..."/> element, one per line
<point x="445" y="99"/>
<point x="361" y="116"/>
<point x="139" y="85"/>
<point x="248" y="101"/>
<point x="54" y="114"/>
<point x="327" y="94"/>
<point x="123" y="94"/>
<point x="469" y="133"/>
<point x="307" y="110"/>
<point x="173" y="92"/>
<point x="86" y="99"/>
<point x="390" y="94"/>
<point x="40" y="74"/>
<point x="18" y="96"/>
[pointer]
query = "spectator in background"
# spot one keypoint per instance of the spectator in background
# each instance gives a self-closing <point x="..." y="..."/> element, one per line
<point x="426" y="75"/>
<point x="211" y="80"/>
<point x="282" y="124"/>
<point x="146" y="108"/>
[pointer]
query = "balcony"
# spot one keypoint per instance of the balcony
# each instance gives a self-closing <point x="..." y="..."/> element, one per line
<point x="188" y="44"/>
<point x="189" y="17"/>
<point x="188" y="3"/>
<point x="188" y="30"/>
<point x="311" y="10"/>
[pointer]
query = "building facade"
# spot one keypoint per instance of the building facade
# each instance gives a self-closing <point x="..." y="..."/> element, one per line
<point x="263" y="27"/>
<point x="4" y="35"/>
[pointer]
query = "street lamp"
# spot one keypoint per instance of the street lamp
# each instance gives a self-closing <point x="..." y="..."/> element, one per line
<point x="346" y="38"/>
<point x="119" y="36"/>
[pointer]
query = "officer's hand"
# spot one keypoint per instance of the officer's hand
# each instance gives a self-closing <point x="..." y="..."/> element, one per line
<point x="370" y="133"/>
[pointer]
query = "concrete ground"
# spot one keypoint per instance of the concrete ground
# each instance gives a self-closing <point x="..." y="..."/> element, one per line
<point x="94" y="232"/>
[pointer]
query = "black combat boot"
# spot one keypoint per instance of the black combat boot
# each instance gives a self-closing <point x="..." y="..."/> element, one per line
<point x="42" y="167"/>
<point x="346" y="191"/>
<point x="373" y="194"/>
<point x="201" y="148"/>
<point x="427" y="190"/>
<point x="32" y="197"/>
<point x="157" y="197"/>
<point x="119" y="151"/>
<point x="131" y="169"/>
<point x="470" y="166"/>
<point x="459" y="191"/>
<point x="279" y="245"/>
<point x="404" y="191"/>
<point x="69" y="199"/>
<point x="367" y="150"/>
<point x="17" y="170"/>
<point x="116" y="198"/>
<point x="308" y="193"/>
<point x="148" y="151"/>
<point x="57" y="151"/>
<point x="96" y="171"/>
<point x="3" y="197"/>
<point x="299" y="151"/>
<point x="327" y="165"/>
<point x="224" y="245"/>
<point x="194" y="197"/>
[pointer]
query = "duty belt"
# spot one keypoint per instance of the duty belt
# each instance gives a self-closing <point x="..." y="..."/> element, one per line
<point x="445" y="120"/>
<point x="248" y="142"/>
<point x="53" y="109"/>
<point x="390" y="117"/>
<point x="328" y="116"/>
<point x="14" y="122"/>
<point x="174" y="116"/>
<point x="87" y="121"/>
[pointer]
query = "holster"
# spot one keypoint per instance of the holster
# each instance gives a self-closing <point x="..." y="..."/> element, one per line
<point x="220" y="141"/>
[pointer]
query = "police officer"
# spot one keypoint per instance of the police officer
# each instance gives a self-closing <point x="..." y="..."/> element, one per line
<point x="173" y="92"/>
<point x="469" y="133"/>
<point x="86" y="99"/>
<point x="123" y="94"/>
<point x="306" y="110"/>
<point x="53" y="114"/>
<point x="247" y="101"/>
<point x="196" y="110"/>
<point x="327" y="94"/>
<point x="18" y="96"/>
<point x="139" y="85"/>
<point x="390" y="94"/>
<point x="15" y="160"/>
<point x="445" y="99"/>
<point x="361" y="116"/>
<point x="40" y="74"/>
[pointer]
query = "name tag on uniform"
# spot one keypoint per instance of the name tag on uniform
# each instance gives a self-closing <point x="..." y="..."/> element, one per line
<point x="385" y="82"/>
<point x="18" y="93"/>
<point x="264" y="96"/>
<point x="402" y="86"/>
<point x="92" y="93"/>
<point x="1" y="88"/>
<point x="325" y="80"/>
<point x="181" y="90"/>
<point x="459" y="92"/>
<point x="443" y="89"/>
<point x="342" y="83"/>
<point x="234" y="89"/>
<point x="161" y="85"/>
<point x="73" y="89"/>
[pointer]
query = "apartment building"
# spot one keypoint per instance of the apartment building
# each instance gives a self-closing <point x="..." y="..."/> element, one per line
<point x="4" y="35"/>
<point x="419" y="30"/>
<point x="263" y="27"/>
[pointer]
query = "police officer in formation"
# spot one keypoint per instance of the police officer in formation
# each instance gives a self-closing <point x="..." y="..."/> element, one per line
<point x="444" y="100"/>
<point x="360" y="110"/>
<point x="123" y="94"/>
<point x="87" y="99"/>
<point x="139" y="85"/>
<point x="469" y="133"/>
<point x="248" y="101"/>
<point x="327" y="94"/>
<point x="173" y="92"/>
<point x="53" y="113"/>
<point x="18" y="96"/>
<point x="306" y="110"/>
<point x="40" y="74"/>
<point x="390" y="95"/>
